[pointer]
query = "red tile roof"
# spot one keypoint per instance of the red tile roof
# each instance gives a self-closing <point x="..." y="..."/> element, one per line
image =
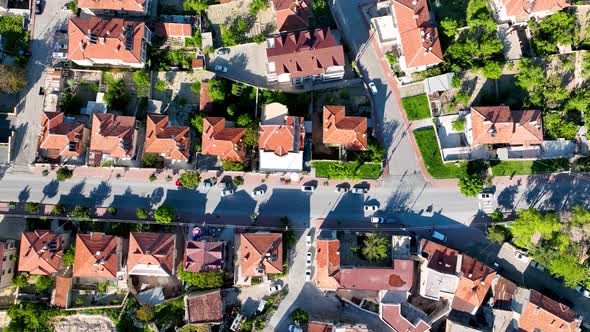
<point x="520" y="8"/>
<point x="199" y="63"/>
<point x="96" y="256"/>
<point x="305" y="53"/>
<point x="41" y="252"/>
<point x="173" y="142"/>
<point x="544" y="314"/>
<point x="227" y="143"/>
<point x="392" y="315"/>
<point x="255" y="248"/>
<point x="61" y="293"/>
<point x="204" y="308"/>
<point x="127" y="5"/>
<point x="419" y="39"/>
<point x="327" y="264"/>
<point x="292" y="14"/>
<point x="205" y="101"/>
<point x="347" y="131"/>
<point x="108" y="39"/>
<point x="112" y="135"/>
<point x="169" y="29"/>
<point x="203" y="256"/>
<point x="440" y="258"/>
<point x="319" y="327"/>
<point x="59" y="135"/>
<point x="473" y="286"/>
<point x="283" y="139"/>
<point x="152" y="249"/>
<point x="503" y="290"/>
<point x="500" y="125"/>
<point x="398" y="278"/>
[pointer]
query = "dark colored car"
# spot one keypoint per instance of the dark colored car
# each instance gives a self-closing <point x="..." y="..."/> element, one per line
<point x="38" y="7"/>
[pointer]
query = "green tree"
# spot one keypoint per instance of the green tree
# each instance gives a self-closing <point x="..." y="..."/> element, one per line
<point x="190" y="179"/>
<point x="164" y="214"/>
<point x="557" y="29"/>
<point x="231" y="110"/>
<point x="202" y="280"/>
<point x="26" y="316"/>
<point x="59" y="209"/>
<point x="32" y="207"/>
<point x="43" y="284"/>
<point x="245" y="121"/>
<point x="376" y="246"/>
<point x="80" y="212"/>
<point x="21" y="280"/>
<point x="64" y="173"/>
<point x="145" y="312"/>
<point x="142" y="80"/>
<point x="142" y="213"/>
<point x="111" y="210"/>
<point x="497" y="216"/>
<point x="217" y="89"/>
<point x="251" y="137"/>
<point x="70" y="103"/>
<point x="150" y="160"/>
<point x="12" y="79"/>
<point x="196" y="87"/>
<point x="300" y="316"/>
<point x="470" y="185"/>
<point x="580" y="215"/>
<point x="116" y="95"/>
<point x="531" y="221"/>
<point x="238" y="181"/>
<point x="259" y="39"/>
<point x="449" y="26"/>
<point x="492" y="70"/>
<point x="195" y="6"/>
<point x="459" y="125"/>
<point x="257" y="5"/>
<point x="160" y="86"/>
<point x="229" y="165"/>
<point x="498" y="234"/>
<point x="197" y="123"/>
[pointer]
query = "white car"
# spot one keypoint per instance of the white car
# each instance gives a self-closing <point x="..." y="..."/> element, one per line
<point x="275" y="288"/>
<point x="582" y="290"/>
<point x="259" y="192"/>
<point x="371" y="207"/>
<point x="293" y="328"/>
<point x="360" y="190"/>
<point x="308" y="259"/>
<point x="373" y="88"/>
<point x="227" y="192"/>
<point x="308" y="239"/>
<point x="221" y="68"/>
<point x="308" y="274"/>
<point x="377" y="220"/>
<point x="485" y="196"/>
<point x="341" y="189"/>
<point x="308" y="189"/>
<point x="522" y="256"/>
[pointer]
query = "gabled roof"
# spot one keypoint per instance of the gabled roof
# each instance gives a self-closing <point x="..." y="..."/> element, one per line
<point x="440" y="258"/>
<point x="203" y="256"/>
<point x="127" y="5"/>
<point x="151" y="252"/>
<point x="171" y="141"/>
<point x="320" y="327"/>
<point x="503" y="290"/>
<point x="96" y="256"/>
<point x="227" y="143"/>
<point x="283" y="139"/>
<point x="500" y="125"/>
<point x="419" y="39"/>
<point x="61" y="295"/>
<point x="347" y="131"/>
<point x="204" y="308"/>
<point x="171" y="29"/>
<point x="261" y="250"/>
<point x="392" y="315"/>
<point x="327" y="264"/>
<point x="544" y="314"/>
<point x="305" y="53"/>
<point x="398" y="278"/>
<point x="41" y="252"/>
<point x="112" y="134"/>
<point x="97" y="38"/>
<point x="520" y="8"/>
<point x="205" y="102"/>
<point x="473" y="286"/>
<point x="292" y="14"/>
<point x="66" y="137"/>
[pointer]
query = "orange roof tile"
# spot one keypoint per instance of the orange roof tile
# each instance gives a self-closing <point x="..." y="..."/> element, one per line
<point x="544" y="314"/>
<point x="204" y="308"/>
<point x="503" y="290"/>
<point x="398" y="278"/>
<point x="127" y="5"/>
<point x="255" y="248"/>
<point x="393" y="316"/>
<point x="152" y="249"/>
<point x="520" y="8"/>
<point x="473" y="285"/>
<point x="205" y="101"/>
<point x="348" y="131"/>
<point x="283" y="139"/>
<point x="169" y="29"/>
<point x="327" y="264"/>
<point x="203" y="256"/>
<point x="419" y="39"/>
<point x="500" y="125"/>
<point x="65" y="137"/>
<point x="292" y="14"/>
<point x="112" y="135"/>
<point x="173" y="142"/>
<point x="96" y="256"/>
<point x="61" y="294"/>
<point x="227" y="143"/>
<point x="41" y="252"/>
<point x="305" y="53"/>
<point x="97" y="38"/>
<point x="319" y="327"/>
<point x="440" y="258"/>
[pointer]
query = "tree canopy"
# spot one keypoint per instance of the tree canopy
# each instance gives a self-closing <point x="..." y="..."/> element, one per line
<point x="553" y="30"/>
<point x="116" y="95"/>
<point x="164" y="214"/>
<point x="376" y="246"/>
<point x="217" y="89"/>
<point x="12" y="79"/>
<point x="142" y="80"/>
<point x="471" y="185"/>
<point x="190" y="179"/>
<point x="202" y="280"/>
<point x="531" y="221"/>
<point x="195" y="6"/>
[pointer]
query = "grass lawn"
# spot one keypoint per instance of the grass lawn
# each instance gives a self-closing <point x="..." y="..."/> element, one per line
<point x="426" y="140"/>
<point x="350" y="170"/>
<point x="416" y="107"/>
<point x="526" y="167"/>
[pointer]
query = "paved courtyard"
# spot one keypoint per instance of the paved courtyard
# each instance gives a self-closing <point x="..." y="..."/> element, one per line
<point x="245" y="63"/>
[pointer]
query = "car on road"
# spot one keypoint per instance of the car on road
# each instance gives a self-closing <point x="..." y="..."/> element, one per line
<point x="208" y="183"/>
<point x="341" y="189"/>
<point x="360" y="190"/>
<point x="227" y="192"/>
<point x="224" y="185"/>
<point x="439" y="236"/>
<point x="275" y="288"/>
<point x="222" y="51"/>
<point x="308" y="274"/>
<point x="308" y="258"/>
<point x="370" y="207"/>
<point x="373" y="88"/>
<point x="583" y="290"/>
<point x="522" y="256"/>
<point x="377" y="220"/>
<point x="308" y="189"/>
<point x="222" y="69"/>
<point x="258" y="192"/>
<point x="308" y="238"/>
<point x="38" y="7"/>
<point x="261" y="306"/>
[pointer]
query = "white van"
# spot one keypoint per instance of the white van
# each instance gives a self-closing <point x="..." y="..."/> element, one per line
<point x="439" y="236"/>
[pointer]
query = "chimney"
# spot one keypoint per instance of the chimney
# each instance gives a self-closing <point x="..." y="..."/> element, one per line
<point x="98" y="253"/>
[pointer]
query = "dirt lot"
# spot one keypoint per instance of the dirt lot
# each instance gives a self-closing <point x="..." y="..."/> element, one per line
<point x="86" y="323"/>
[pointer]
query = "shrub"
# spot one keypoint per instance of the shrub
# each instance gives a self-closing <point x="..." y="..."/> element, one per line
<point x="376" y="247"/>
<point x="459" y="125"/>
<point x="79" y="301"/>
<point x="202" y="280"/>
<point x="73" y="7"/>
<point x="153" y="177"/>
<point x="102" y="287"/>
<point x="160" y="86"/>
<point x="32" y="207"/>
<point x="21" y="280"/>
<point x="145" y="313"/>
<point x="232" y="165"/>
<point x="142" y="213"/>
<point x="112" y="210"/>
<point x="257" y="5"/>
<point x="69" y="256"/>
<point x="44" y="284"/>
<point x="300" y="316"/>
<point x="59" y="209"/>
<point x="497" y="216"/>
<point x="164" y="214"/>
<point x="142" y="80"/>
<point x="238" y="181"/>
<point x="498" y="234"/>
<point x="470" y="185"/>
<point x="12" y="205"/>
<point x="190" y="179"/>
<point x="64" y="173"/>
<point x="196" y="87"/>
<point x="259" y="39"/>
<point x="80" y="212"/>
<point x="456" y="81"/>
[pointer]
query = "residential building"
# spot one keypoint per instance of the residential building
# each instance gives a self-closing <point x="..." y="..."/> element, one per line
<point x="172" y="143"/>
<point x="296" y="57"/>
<point x="61" y="138"/>
<point x="403" y="317"/>
<point x="112" y="138"/>
<point x="8" y="266"/>
<point x="417" y="41"/>
<point x="474" y="284"/>
<point x="205" y="102"/>
<point x="41" y="252"/>
<point x="219" y="140"/>
<point x="61" y="294"/>
<point x="439" y="271"/>
<point x="521" y="11"/>
<point x="95" y="41"/>
<point x="203" y="308"/>
<point x="202" y="256"/>
<point x="281" y="140"/>
<point x="507" y="302"/>
<point x="500" y="126"/>
<point x="115" y="7"/>
<point x="152" y="254"/>
<point x="348" y="132"/>
<point x="259" y="254"/>
<point x="97" y="256"/>
<point x="174" y="30"/>
<point x="316" y="326"/>
<point x="292" y="14"/>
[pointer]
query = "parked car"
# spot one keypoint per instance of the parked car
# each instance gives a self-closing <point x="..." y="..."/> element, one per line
<point x="222" y="51"/>
<point x="498" y="267"/>
<point x="373" y="88"/>
<point x="224" y="185"/>
<point x="308" y="258"/>
<point x="308" y="239"/>
<point x="582" y="290"/>
<point x="308" y="274"/>
<point x="293" y="328"/>
<point x="341" y="189"/>
<point x="439" y="236"/>
<point x="261" y="306"/>
<point x="371" y="207"/>
<point x="227" y="192"/>
<point x="308" y="189"/>
<point x="207" y="184"/>
<point x="222" y="69"/>
<point x="275" y="288"/>
<point x="38" y="7"/>
<point x="360" y="190"/>
<point x="258" y="192"/>
<point x="537" y="266"/>
<point x="377" y="220"/>
<point x="522" y="256"/>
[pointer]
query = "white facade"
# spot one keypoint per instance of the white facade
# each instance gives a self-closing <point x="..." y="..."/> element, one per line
<point x="290" y="162"/>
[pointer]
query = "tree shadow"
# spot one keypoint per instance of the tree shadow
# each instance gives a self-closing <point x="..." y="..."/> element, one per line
<point x="75" y="196"/>
<point x="156" y="196"/>
<point x="50" y="190"/>
<point x="507" y="197"/>
<point x="24" y="194"/>
<point x="100" y="193"/>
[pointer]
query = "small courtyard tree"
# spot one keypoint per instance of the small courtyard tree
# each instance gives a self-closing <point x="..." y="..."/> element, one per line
<point x="164" y="214"/>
